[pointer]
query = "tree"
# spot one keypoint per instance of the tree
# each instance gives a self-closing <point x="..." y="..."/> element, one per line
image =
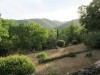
<point x="3" y="35"/>
<point x="51" y="41"/>
<point x="90" y="15"/>
<point x="38" y="35"/>
<point x="3" y="31"/>
<point x="28" y="36"/>
<point x="6" y="42"/>
<point x="71" y="33"/>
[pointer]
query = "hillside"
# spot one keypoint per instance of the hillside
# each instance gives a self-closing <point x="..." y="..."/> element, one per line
<point x="49" y="23"/>
<point x="67" y="64"/>
<point x="43" y="22"/>
<point x="75" y="22"/>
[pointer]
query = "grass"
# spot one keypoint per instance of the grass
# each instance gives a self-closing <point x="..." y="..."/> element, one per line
<point x="64" y="65"/>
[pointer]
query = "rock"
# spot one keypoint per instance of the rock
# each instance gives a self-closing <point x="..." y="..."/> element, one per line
<point x="91" y="70"/>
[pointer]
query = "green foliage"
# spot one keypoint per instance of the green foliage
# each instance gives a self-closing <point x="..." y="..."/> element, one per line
<point x="90" y="15"/>
<point x="39" y="47"/>
<point x="41" y="56"/>
<point x="43" y="22"/>
<point x="30" y="36"/>
<point x="3" y="31"/>
<point x="3" y="52"/>
<point x="51" y="41"/>
<point x="72" y="54"/>
<point x="16" y="65"/>
<point x="71" y="33"/>
<point x="92" y="39"/>
<point x="61" y="43"/>
<point x="4" y="34"/>
<point x="74" y="42"/>
<point x="22" y="36"/>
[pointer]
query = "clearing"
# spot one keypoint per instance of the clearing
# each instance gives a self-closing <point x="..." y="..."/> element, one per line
<point x="67" y="64"/>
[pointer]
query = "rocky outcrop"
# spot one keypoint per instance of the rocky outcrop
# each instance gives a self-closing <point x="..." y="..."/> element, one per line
<point x="91" y="70"/>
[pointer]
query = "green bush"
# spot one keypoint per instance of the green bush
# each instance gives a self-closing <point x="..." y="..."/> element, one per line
<point x="39" y="47"/>
<point x="16" y="65"/>
<point x="72" y="54"/>
<point x="4" y="52"/>
<point x="92" y="39"/>
<point x="61" y="43"/>
<point x="41" y="56"/>
<point x="74" y="42"/>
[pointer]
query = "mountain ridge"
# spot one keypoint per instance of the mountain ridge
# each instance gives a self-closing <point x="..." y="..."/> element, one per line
<point x="43" y="22"/>
<point x="68" y="23"/>
<point x="48" y="23"/>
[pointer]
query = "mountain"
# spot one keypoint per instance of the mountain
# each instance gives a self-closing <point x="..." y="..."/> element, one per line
<point x="66" y="24"/>
<point x="43" y="22"/>
<point x="49" y="23"/>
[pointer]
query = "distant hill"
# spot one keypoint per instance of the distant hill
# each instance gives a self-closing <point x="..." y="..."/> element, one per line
<point x="43" y="22"/>
<point x="75" y="22"/>
<point x="49" y="23"/>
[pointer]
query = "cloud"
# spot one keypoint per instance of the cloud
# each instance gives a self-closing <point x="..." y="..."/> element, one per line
<point x="25" y="9"/>
<point x="61" y="14"/>
<point x="11" y="8"/>
<point x="39" y="2"/>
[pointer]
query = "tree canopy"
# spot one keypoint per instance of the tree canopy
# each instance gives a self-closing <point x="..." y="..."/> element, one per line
<point x="90" y="15"/>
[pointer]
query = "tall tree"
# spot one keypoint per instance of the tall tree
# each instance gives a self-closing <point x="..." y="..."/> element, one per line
<point x="28" y="36"/>
<point x="90" y="15"/>
<point x="3" y="31"/>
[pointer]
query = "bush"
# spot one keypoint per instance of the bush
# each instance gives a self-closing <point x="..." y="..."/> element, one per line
<point x="89" y="54"/>
<point x="72" y="54"/>
<point x="39" y="47"/>
<point x="74" y="42"/>
<point x="16" y="65"/>
<point x="61" y="43"/>
<point x="4" y="52"/>
<point x="41" y="56"/>
<point x="92" y="39"/>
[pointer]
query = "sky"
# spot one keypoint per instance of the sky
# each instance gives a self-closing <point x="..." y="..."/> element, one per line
<point x="61" y="10"/>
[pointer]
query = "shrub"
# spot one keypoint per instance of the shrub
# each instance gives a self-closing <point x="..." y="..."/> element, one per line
<point x="89" y="54"/>
<point x="41" y="56"/>
<point x="92" y="39"/>
<point x="4" y="52"/>
<point x="16" y="65"/>
<point x="72" y="54"/>
<point x="74" y="42"/>
<point x="61" y="43"/>
<point x="39" y="47"/>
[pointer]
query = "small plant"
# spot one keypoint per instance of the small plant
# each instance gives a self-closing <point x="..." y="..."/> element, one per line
<point x="72" y="54"/>
<point x="89" y="54"/>
<point x="41" y="56"/>
<point x="61" y="43"/>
